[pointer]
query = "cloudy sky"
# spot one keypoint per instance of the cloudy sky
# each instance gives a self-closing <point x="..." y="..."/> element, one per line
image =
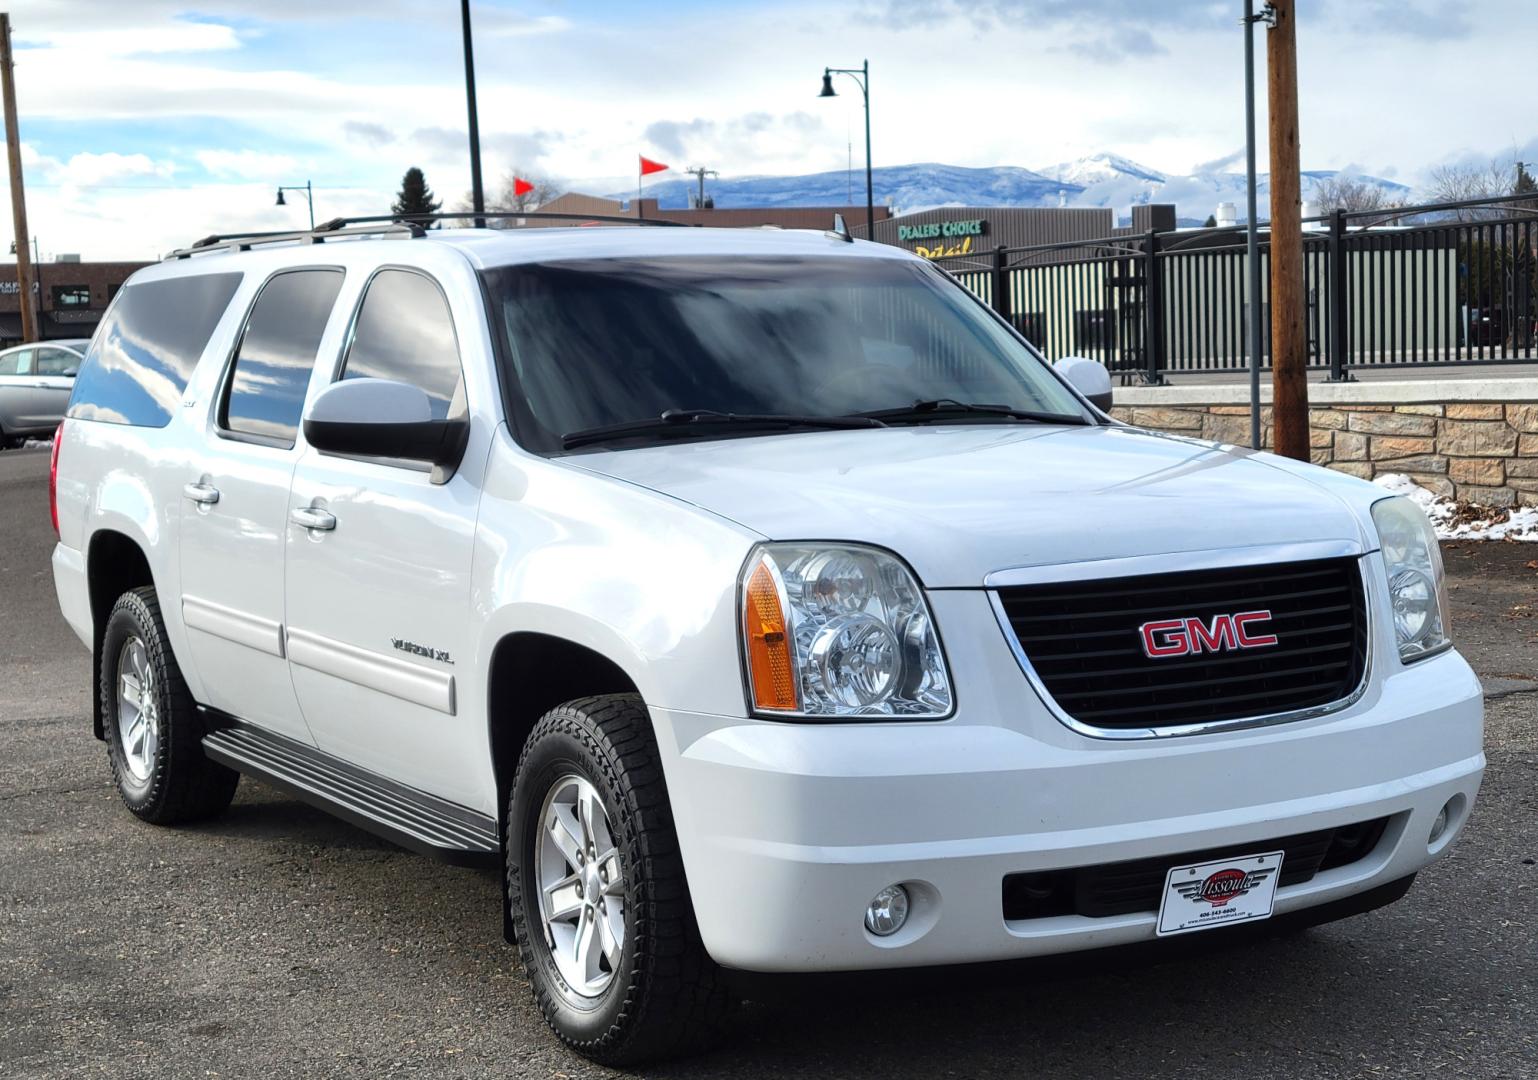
<point x="147" y="123"/>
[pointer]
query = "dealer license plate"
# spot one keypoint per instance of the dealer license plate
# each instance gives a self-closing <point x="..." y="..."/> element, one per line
<point x="1219" y="893"/>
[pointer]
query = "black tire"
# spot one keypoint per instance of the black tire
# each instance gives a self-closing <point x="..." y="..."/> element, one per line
<point x="666" y="997"/>
<point x="181" y="784"/>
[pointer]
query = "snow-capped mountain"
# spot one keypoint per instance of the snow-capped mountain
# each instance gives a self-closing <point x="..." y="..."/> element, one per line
<point x="1117" y="182"/>
<point x="1098" y="168"/>
<point x="1102" y="179"/>
<point x="899" y="186"/>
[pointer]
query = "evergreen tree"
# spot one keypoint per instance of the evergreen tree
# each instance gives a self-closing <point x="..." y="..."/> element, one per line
<point x="415" y="199"/>
<point x="1525" y="182"/>
<point x="1211" y="222"/>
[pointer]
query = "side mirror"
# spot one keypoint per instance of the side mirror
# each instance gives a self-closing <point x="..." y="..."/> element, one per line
<point x="70" y="372"/>
<point x="1088" y="377"/>
<point x="381" y="418"/>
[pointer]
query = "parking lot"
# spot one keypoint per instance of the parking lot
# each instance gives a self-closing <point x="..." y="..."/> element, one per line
<point x="277" y="942"/>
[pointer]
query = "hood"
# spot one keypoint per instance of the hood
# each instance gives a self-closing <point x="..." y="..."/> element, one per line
<point x="961" y="501"/>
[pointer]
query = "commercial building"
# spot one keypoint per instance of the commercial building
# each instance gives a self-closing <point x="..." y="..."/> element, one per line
<point x="68" y="296"/>
<point x="965" y="230"/>
<point x="784" y="217"/>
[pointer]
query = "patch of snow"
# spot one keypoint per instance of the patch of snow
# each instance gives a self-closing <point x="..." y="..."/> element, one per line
<point x="1462" y="521"/>
<point x="1097" y="168"/>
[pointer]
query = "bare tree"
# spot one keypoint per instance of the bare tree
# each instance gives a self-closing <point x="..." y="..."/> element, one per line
<point x="1470" y="181"/>
<point x="504" y="197"/>
<point x="1351" y="194"/>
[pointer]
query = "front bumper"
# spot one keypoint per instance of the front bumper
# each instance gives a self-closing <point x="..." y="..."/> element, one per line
<point x="788" y="830"/>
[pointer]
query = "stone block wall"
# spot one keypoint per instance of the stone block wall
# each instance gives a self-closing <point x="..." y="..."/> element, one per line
<point x="1479" y="451"/>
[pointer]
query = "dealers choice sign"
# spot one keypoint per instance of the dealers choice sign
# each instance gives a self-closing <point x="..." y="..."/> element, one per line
<point x="937" y="239"/>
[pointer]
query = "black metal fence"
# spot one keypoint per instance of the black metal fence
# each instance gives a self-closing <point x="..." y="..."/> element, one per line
<point x="1447" y="283"/>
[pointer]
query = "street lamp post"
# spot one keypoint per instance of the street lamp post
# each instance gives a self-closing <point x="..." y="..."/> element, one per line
<point x="309" y="197"/>
<point x="860" y="75"/>
<point x="1251" y="230"/>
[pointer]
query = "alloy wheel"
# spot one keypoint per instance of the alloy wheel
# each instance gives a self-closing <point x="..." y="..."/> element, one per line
<point x="138" y="718"/>
<point x="581" y="886"/>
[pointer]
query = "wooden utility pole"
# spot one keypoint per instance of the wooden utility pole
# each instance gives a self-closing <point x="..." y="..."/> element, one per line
<point x="1289" y="296"/>
<point x="18" y="197"/>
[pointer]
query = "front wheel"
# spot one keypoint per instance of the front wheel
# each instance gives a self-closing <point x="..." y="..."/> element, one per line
<point x="596" y="889"/>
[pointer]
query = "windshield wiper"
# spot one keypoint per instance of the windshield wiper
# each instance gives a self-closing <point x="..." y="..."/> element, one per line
<point x="949" y="408"/>
<point x="686" y="420"/>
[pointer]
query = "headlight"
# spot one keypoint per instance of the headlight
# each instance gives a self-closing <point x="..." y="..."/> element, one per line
<point x="1413" y="562"/>
<point x="839" y="630"/>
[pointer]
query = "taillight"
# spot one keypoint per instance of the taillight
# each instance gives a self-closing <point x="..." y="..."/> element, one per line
<point x="53" y="478"/>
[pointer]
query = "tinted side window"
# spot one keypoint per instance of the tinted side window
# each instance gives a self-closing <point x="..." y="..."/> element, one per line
<point x="404" y="332"/>
<point x="147" y="347"/>
<point x="265" y="393"/>
<point x="16" y="363"/>
<point x="56" y="361"/>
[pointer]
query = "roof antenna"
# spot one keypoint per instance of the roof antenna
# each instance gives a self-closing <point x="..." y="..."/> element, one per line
<point x="840" y="231"/>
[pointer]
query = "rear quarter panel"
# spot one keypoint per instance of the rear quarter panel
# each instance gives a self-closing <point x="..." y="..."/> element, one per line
<point x="117" y="478"/>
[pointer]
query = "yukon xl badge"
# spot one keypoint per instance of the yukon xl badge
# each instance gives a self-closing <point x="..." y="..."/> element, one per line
<point x="421" y="650"/>
<point x="1184" y="637"/>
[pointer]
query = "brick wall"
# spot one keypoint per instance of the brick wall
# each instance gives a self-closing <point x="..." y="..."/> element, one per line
<point x="1480" y="451"/>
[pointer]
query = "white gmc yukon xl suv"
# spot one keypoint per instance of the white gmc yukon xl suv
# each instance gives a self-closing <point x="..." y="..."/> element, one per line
<point x="758" y="600"/>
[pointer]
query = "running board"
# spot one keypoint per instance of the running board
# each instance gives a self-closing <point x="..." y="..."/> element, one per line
<point x="413" y="819"/>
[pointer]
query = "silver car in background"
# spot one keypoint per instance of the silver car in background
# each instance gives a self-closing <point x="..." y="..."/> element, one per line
<point x="35" y="384"/>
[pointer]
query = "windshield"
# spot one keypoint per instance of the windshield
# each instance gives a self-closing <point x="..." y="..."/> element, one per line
<point x="595" y="343"/>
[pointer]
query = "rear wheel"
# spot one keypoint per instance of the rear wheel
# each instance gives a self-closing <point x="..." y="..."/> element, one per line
<point x="154" y="736"/>
<point x="596" y="889"/>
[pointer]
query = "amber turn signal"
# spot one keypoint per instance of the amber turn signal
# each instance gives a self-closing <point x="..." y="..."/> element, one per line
<point x="763" y="622"/>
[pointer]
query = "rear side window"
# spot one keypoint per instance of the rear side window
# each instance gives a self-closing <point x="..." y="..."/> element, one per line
<point x="266" y="388"/>
<point x="16" y="363"/>
<point x="405" y="332"/>
<point x="147" y="347"/>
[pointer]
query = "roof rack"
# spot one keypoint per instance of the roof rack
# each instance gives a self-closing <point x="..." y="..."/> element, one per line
<point x="412" y="227"/>
<point x="502" y="215"/>
<point x="321" y="233"/>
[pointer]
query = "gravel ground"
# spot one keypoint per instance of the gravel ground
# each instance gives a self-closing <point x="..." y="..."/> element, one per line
<point x="276" y="942"/>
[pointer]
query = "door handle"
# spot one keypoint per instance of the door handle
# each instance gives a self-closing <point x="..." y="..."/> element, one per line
<point x="202" y="494"/>
<point x="312" y="518"/>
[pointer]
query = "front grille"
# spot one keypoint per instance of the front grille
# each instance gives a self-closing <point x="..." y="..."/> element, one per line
<point x="1127" y="887"/>
<point x="1082" y="639"/>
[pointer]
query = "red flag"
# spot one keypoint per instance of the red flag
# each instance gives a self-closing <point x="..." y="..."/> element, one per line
<point x="648" y="166"/>
<point x="521" y="186"/>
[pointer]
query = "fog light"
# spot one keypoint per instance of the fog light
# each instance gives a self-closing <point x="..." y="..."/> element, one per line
<point x="888" y="911"/>
<point x="1439" y="826"/>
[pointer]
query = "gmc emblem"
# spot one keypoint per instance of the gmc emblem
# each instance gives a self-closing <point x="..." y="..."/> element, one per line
<point x="1184" y="637"/>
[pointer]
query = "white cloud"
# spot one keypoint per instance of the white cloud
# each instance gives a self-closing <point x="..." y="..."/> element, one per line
<point x="146" y="223"/>
<point x="247" y="164"/>
<point x="87" y="169"/>
<point x="173" y="37"/>
<point x="500" y="23"/>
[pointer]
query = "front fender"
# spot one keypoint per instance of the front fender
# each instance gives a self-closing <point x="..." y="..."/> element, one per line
<point x="643" y="579"/>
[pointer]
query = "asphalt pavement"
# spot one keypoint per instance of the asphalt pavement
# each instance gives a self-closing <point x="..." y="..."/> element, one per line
<point x="277" y="942"/>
